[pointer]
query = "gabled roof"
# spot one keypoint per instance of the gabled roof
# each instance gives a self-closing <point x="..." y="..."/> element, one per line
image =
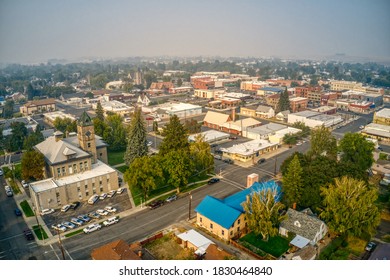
<point x="263" y="109"/>
<point x="302" y="224"/>
<point x="217" y="211"/>
<point x="57" y="151"/>
<point x="216" y="118"/>
<point x="85" y="120"/>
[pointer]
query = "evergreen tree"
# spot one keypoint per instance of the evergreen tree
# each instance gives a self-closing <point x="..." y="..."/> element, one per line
<point x="175" y="137"/>
<point x="99" y="112"/>
<point x="136" y="145"/>
<point x="33" y="139"/>
<point x="293" y="183"/>
<point x="284" y="102"/>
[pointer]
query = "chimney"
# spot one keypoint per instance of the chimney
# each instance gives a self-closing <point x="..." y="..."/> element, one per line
<point x="58" y="135"/>
<point x="67" y="134"/>
<point x="251" y="179"/>
<point x="233" y="114"/>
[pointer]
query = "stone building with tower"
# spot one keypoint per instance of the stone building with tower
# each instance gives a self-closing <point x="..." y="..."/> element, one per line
<point x="75" y="168"/>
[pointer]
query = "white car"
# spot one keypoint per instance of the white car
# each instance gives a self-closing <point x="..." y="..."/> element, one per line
<point x="24" y="184"/>
<point x="65" y="208"/>
<point x="110" y="209"/>
<point x="120" y="190"/>
<point x="92" y="228"/>
<point x="102" y="212"/>
<point x="102" y="196"/>
<point x="1" y="172"/>
<point x="111" y="193"/>
<point x="47" y="211"/>
<point x="110" y="221"/>
<point x="59" y="227"/>
<point x="69" y="225"/>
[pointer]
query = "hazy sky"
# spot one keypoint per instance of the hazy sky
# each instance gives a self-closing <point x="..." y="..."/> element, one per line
<point x="34" y="31"/>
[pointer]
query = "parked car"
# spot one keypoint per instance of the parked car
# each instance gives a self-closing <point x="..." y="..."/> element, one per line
<point x="75" y="205"/>
<point x="69" y="225"/>
<point x="213" y="181"/>
<point x="47" y="211"/>
<point x="65" y="208"/>
<point x="110" y="221"/>
<point x="103" y="196"/>
<point x="149" y="143"/>
<point x="370" y="246"/>
<point x="110" y="209"/>
<point x="1" y="172"/>
<point x="59" y="227"/>
<point x="233" y="137"/>
<point x="8" y="191"/>
<point x="120" y="190"/>
<point x="18" y="212"/>
<point x="28" y="234"/>
<point x="228" y="160"/>
<point x="102" y="212"/>
<point x="262" y="160"/>
<point x="155" y="204"/>
<point x="93" y="199"/>
<point x="84" y="218"/>
<point x="380" y="148"/>
<point x="94" y="215"/>
<point x="111" y="193"/>
<point x="171" y="198"/>
<point x="24" y="184"/>
<point x="92" y="228"/>
<point x="77" y="221"/>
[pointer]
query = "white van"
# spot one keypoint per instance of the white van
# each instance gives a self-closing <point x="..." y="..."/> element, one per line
<point x="93" y="199"/>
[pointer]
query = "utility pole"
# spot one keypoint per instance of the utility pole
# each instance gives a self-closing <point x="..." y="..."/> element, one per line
<point x="60" y="243"/>
<point x="189" y="206"/>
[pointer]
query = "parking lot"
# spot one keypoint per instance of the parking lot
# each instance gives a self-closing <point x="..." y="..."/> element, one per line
<point x="119" y="201"/>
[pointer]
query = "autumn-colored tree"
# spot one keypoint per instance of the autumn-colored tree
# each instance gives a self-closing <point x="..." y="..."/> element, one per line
<point x="33" y="164"/>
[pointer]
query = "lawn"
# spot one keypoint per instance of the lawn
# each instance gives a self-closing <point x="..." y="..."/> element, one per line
<point x="40" y="232"/>
<point x="275" y="246"/>
<point x="343" y="248"/>
<point x="115" y="158"/>
<point x="26" y="208"/>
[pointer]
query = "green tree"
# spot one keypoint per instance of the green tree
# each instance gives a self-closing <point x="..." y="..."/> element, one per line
<point x="19" y="134"/>
<point x="33" y="164"/>
<point x="8" y="110"/>
<point x="144" y="173"/>
<point x="99" y="126"/>
<point x="201" y="155"/>
<point x="350" y="207"/>
<point x="293" y="183"/>
<point x="192" y="126"/>
<point x="322" y="143"/>
<point x="179" y="82"/>
<point x="30" y="92"/>
<point x="136" y="145"/>
<point x="356" y="153"/>
<point x="284" y="102"/>
<point x="33" y="139"/>
<point x="115" y="133"/>
<point x="178" y="167"/>
<point x="99" y="112"/>
<point x="262" y="212"/>
<point x="175" y="137"/>
<point x="65" y="124"/>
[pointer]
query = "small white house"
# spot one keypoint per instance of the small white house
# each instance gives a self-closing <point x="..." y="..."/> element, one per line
<point x="265" y="112"/>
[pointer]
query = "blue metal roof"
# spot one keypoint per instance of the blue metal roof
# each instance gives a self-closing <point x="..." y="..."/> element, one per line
<point x="237" y="199"/>
<point x="225" y="212"/>
<point x="218" y="212"/>
<point x="274" y="89"/>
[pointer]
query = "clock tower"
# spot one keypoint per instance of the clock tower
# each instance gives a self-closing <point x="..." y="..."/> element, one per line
<point x="86" y="135"/>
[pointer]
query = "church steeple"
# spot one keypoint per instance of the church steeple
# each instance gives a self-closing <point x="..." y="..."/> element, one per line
<point x="86" y="135"/>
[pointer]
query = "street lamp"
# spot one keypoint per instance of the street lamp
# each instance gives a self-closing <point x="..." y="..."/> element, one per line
<point x="189" y="206"/>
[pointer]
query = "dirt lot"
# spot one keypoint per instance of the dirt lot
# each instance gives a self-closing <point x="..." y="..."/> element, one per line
<point x="166" y="248"/>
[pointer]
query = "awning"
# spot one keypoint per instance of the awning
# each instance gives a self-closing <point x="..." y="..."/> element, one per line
<point x="299" y="241"/>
